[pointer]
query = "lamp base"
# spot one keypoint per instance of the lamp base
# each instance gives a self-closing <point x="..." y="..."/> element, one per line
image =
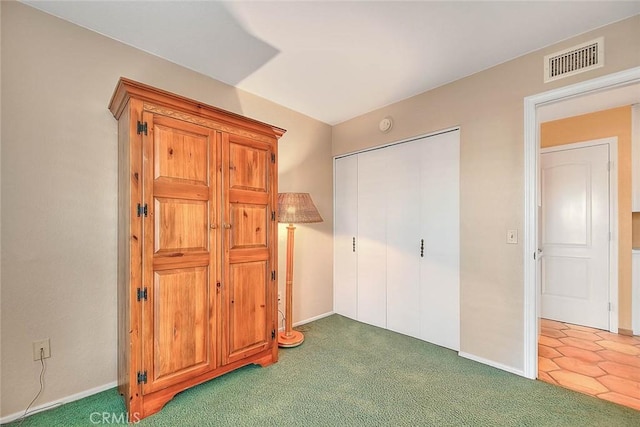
<point x="294" y="339"/>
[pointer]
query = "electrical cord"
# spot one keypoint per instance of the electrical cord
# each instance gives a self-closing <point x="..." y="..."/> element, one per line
<point x="283" y="318"/>
<point x="42" y="371"/>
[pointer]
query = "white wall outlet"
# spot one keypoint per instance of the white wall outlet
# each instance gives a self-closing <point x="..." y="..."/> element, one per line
<point x="279" y="298"/>
<point x="41" y="345"/>
<point x="512" y="237"/>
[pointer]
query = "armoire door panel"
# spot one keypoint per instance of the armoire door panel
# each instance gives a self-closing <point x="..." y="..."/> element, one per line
<point x="248" y="167"/>
<point x="181" y="304"/>
<point x="248" y="226"/>
<point x="345" y="237"/>
<point x="248" y="313"/>
<point x="182" y="344"/>
<point x="181" y="225"/>
<point x="181" y="154"/>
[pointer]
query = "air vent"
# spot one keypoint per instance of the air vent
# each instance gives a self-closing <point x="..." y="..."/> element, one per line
<point x="575" y="60"/>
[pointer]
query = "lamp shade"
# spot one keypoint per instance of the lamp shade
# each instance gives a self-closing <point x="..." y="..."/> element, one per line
<point x="297" y="208"/>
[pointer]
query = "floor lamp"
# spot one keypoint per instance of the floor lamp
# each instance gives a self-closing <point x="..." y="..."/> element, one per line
<point x="293" y="208"/>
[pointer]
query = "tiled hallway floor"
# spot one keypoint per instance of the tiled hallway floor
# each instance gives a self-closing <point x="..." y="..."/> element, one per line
<point x="590" y="361"/>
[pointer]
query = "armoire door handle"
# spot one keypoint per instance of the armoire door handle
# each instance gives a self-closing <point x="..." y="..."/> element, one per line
<point x="421" y="248"/>
<point x="227" y="226"/>
<point x="354" y="244"/>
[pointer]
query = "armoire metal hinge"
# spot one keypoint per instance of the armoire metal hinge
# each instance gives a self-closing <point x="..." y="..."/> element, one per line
<point x="142" y="210"/>
<point x="273" y="215"/>
<point x="142" y="128"/>
<point x="142" y="294"/>
<point x="142" y="377"/>
<point x="273" y="275"/>
<point x="273" y="158"/>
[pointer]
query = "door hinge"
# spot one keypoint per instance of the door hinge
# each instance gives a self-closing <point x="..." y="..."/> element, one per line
<point x="273" y="275"/>
<point x="142" y="294"/>
<point x="142" y="209"/>
<point x="142" y="128"/>
<point x="273" y="334"/>
<point x="273" y="158"/>
<point x="142" y="377"/>
<point x="273" y="215"/>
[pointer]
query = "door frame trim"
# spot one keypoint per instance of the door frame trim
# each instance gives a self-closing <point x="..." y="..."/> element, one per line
<point x="612" y="146"/>
<point x="531" y="160"/>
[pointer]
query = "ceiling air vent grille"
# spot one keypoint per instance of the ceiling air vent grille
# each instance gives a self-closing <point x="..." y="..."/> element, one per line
<point x="574" y="60"/>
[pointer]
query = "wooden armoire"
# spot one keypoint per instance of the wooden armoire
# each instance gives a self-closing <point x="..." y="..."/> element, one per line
<point x="197" y="237"/>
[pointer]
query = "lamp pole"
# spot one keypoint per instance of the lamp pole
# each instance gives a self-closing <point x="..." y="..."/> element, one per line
<point x="289" y="338"/>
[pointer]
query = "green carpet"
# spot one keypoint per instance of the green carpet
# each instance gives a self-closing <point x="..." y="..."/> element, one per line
<point x="350" y="374"/>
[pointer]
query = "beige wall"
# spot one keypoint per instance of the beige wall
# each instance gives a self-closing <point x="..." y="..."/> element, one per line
<point x="488" y="107"/>
<point x="59" y="192"/>
<point x="602" y="124"/>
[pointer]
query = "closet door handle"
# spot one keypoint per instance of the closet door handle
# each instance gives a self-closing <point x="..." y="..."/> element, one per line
<point x="354" y="244"/>
<point x="421" y="248"/>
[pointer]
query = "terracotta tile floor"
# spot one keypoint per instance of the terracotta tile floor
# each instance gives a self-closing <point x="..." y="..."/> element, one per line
<point x="590" y="361"/>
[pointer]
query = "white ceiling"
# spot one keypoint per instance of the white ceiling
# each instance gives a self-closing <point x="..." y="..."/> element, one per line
<point x="335" y="60"/>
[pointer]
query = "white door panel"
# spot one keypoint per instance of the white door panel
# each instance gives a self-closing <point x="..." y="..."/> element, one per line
<point x="403" y="238"/>
<point x="440" y="229"/>
<point x="575" y="236"/>
<point x="345" y="234"/>
<point x="372" y="239"/>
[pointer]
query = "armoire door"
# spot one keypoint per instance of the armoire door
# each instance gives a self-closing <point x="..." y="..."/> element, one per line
<point x="179" y="251"/>
<point x="248" y="229"/>
<point x="345" y="245"/>
<point x="440" y="231"/>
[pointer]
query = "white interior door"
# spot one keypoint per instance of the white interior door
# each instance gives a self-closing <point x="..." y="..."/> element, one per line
<point x="440" y="228"/>
<point x="345" y="260"/>
<point x="402" y="172"/>
<point x="372" y="240"/>
<point x="574" y="191"/>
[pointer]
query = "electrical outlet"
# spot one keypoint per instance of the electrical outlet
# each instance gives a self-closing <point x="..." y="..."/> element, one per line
<point x="512" y="237"/>
<point x="279" y="298"/>
<point x="41" y="345"/>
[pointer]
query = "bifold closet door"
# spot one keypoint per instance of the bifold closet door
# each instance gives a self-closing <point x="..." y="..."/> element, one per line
<point x="345" y="236"/>
<point x="440" y="229"/>
<point x="372" y="240"/>
<point x="402" y="204"/>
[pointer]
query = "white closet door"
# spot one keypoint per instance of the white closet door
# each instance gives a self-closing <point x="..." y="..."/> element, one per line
<point x="440" y="229"/>
<point x="402" y="172"/>
<point x="345" y="260"/>
<point x="371" y="245"/>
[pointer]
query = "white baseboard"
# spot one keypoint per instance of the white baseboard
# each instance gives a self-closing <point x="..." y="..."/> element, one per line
<point x="313" y="319"/>
<point x="59" y="402"/>
<point x="309" y="320"/>
<point x="491" y="363"/>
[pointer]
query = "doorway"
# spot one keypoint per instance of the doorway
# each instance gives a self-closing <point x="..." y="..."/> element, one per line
<point x="530" y="247"/>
